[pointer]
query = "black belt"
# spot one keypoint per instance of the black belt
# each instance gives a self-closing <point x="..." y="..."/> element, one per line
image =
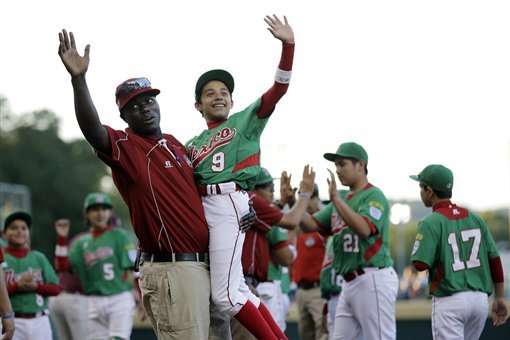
<point x="354" y="274"/>
<point x="174" y="257"/>
<point x="308" y="284"/>
<point x="28" y="315"/>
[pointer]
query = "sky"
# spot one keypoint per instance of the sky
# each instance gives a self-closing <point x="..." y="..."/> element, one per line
<point x="414" y="82"/>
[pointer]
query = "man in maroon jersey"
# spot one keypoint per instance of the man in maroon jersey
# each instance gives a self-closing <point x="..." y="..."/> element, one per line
<point x="155" y="178"/>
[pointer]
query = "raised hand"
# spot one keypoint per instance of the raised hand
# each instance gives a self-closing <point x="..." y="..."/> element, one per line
<point x="308" y="180"/>
<point x="333" y="191"/>
<point x="280" y="30"/>
<point x="75" y="64"/>
<point x="287" y="192"/>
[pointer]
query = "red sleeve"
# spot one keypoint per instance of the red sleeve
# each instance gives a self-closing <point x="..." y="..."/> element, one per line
<point x="496" y="270"/>
<point x="322" y="230"/>
<point x="62" y="263"/>
<point x="420" y="266"/>
<point x="48" y="289"/>
<point x="267" y="216"/>
<point x="373" y="229"/>
<point x="1" y="255"/>
<point x="279" y="245"/>
<point x="12" y="289"/>
<point x="276" y="92"/>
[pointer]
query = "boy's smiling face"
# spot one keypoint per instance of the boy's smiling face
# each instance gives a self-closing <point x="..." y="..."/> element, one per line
<point x="17" y="234"/>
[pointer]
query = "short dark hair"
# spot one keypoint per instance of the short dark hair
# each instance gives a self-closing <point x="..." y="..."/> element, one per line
<point x="439" y="194"/>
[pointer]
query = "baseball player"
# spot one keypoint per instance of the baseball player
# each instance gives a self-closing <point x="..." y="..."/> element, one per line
<point x="306" y="274"/>
<point x="68" y="310"/>
<point x="359" y="220"/>
<point x="102" y="259"/>
<point x="226" y="159"/>
<point x="6" y="312"/>
<point x="456" y="247"/>
<point x="29" y="278"/>
<point x="331" y="287"/>
<point x="278" y="252"/>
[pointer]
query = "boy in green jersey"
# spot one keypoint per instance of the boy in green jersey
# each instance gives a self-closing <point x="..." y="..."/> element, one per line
<point x="226" y="160"/>
<point x="103" y="259"/>
<point x="456" y="247"/>
<point x="29" y="278"/>
<point x="359" y="220"/>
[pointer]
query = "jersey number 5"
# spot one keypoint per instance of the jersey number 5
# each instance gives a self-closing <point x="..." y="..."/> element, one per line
<point x="466" y="235"/>
<point x="108" y="271"/>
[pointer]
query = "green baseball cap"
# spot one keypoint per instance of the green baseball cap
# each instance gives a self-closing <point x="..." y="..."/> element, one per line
<point x="348" y="150"/>
<point x="264" y="177"/>
<point x="436" y="176"/>
<point x="217" y="74"/>
<point x="18" y="215"/>
<point x="97" y="198"/>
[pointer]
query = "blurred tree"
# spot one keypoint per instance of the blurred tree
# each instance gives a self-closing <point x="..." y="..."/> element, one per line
<point x="498" y="223"/>
<point x="59" y="174"/>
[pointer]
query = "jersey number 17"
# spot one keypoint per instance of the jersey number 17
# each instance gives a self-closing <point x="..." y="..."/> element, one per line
<point x="466" y="236"/>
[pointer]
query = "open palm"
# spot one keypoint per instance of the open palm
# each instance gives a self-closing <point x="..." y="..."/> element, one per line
<point x="75" y="64"/>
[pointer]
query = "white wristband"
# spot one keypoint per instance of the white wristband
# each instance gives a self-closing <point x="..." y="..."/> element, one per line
<point x="293" y="250"/>
<point x="282" y="77"/>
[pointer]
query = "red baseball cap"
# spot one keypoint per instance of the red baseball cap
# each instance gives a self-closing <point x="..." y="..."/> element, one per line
<point x="131" y="88"/>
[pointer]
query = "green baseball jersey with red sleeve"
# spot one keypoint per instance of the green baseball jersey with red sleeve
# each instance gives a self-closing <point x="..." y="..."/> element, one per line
<point x="36" y="264"/>
<point x="456" y="245"/>
<point x="277" y="237"/>
<point x="331" y="283"/>
<point x="230" y="151"/>
<point x="103" y="262"/>
<point x="351" y="251"/>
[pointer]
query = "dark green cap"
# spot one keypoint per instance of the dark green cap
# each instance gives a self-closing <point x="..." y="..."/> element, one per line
<point x="18" y="215"/>
<point x="348" y="150"/>
<point x="220" y="75"/>
<point x="436" y="176"/>
<point x="97" y="198"/>
<point x="264" y="177"/>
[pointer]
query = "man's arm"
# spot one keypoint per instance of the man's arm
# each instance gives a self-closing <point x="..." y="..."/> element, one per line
<point x="86" y="114"/>
<point x="295" y="214"/>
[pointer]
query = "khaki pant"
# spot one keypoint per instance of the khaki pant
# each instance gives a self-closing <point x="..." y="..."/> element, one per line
<point x="176" y="298"/>
<point x="310" y="305"/>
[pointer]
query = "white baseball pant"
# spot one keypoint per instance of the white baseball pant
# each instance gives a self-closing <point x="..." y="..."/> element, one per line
<point x="223" y="211"/>
<point x="270" y="294"/>
<point x="111" y="315"/>
<point x="38" y="328"/>
<point x="367" y="306"/>
<point x="459" y="316"/>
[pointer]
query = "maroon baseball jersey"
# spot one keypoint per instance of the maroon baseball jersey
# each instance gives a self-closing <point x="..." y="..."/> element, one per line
<point x="156" y="181"/>
<point x="256" y="256"/>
